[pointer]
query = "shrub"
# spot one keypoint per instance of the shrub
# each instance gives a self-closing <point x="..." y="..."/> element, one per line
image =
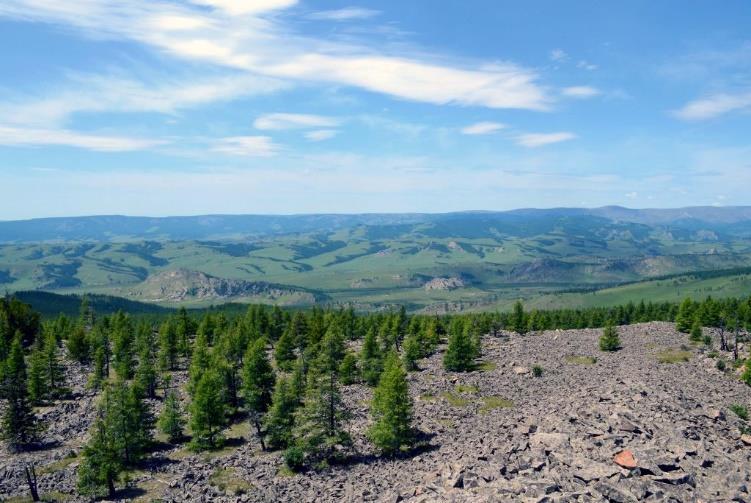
<point x="739" y="411"/>
<point x="294" y="458"/>
<point x="720" y="365"/>
<point x="610" y="341"/>
<point x="707" y="340"/>
<point x="537" y="371"/>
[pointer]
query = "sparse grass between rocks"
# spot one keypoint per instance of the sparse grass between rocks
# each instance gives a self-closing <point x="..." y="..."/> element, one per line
<point x="454" y="399"/>
<point x="673" y="356"/>
<point x="227" y="481"/>
<point x="740" y="411"/>
<point x="494" y="402"/>
<point x="486" y="366"/>
<point x="580" y="360"/>
<point x="466" y="388"/>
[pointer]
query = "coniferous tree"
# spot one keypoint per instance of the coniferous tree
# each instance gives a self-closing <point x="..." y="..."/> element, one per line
<point x="319" y="422"/>
<point x="284" y="351"/>
<point x="685" y="317"/>
<point x="53" y="370"/>
<point x="101" y="465"/>
<point x="518" y="319"/>
<point x="146" y="372"/>
<point x="298" y="378"/>
<point x="207" y="412"/>
<point x="130" y="421"/>
<point x="19" y="424"/>
<point x="171" y="420"/>
<point x="168" y="350"/>
<point x="98" y="373"/>
<point x="122" y="345"/>
<point x="36" y="382"/>
<point x="697" y="333"/>
<point x="78" y="344"/>
<point x="258" y="383"/>
<point x="280" y="418"/>
<point x="460" y="353"/>
<point x="412" y="351"/>
<point x="348" y="371"/>
<point x="391" y="409"/>
<point x="199" y="362"/>
<point x="370" y="358"/>
<point x="609" y="340"/>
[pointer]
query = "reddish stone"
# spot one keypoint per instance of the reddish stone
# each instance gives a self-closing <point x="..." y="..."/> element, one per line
<point x="625" y="459"/>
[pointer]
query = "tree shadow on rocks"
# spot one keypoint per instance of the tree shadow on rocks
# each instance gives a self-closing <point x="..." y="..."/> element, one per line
<point x="421" y="445"/>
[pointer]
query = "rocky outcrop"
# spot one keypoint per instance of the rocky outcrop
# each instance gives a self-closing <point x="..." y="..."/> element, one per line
<point x="451" y="283"/>
<point x="624" y="429"/>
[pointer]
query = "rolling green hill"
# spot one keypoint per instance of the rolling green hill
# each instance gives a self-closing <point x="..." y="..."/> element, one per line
<point x="372" y="261"/>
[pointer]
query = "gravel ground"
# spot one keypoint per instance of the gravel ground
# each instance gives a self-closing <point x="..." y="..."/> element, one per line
<point x="495" y="434"/>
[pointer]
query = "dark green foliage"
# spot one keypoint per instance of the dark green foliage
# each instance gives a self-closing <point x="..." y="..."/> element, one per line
<point x="16" y="316"/>
<point x="319" y="423"/>
<point x="461" y="351"/>
<point x="207" y="412"/>
<point x="294" y="458"/>
<point x="122" y="345"/>
<point x="171" y="420"/>
<point x="279" y="420"/>
<point x="120" y="437"/>
<point x="78" y="344"/>
<point x="168" y="350"/>
<point x="349" y="373"/>
<point x="610" y="340"/>
<point x="19" y="426"/>
<point x="102" y="464"/>
<point x="199" y="362"/>
<point x="518" y="320"/>
<point x="697" y="334"/>
<point x="258" y="382"/>
<point x="412" y="351"/>
<point x="537" y="370"/>
<point x="146" y="372"/>
<point x="720" y="365"/>
<point x="391" y="409"/>
<point x="36" y="382"/>
<point x="740" y="411"/>
<point x="686" y="315"/>
<point x="371" y="359"/>
<point x="284" y="352"/>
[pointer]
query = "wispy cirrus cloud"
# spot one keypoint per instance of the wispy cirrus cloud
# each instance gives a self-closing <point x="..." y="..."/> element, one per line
<point x="482" y="128"/>
<point x="30" y="137"/>
<point x="246" y="146"/>
<point x="241" y="35"/>
<point x="283" y="121"/>
<point x="580" y="92"/>
<point x="533" y="140"/>
<point x="713" y="106"/>
<point x="344" y="14"/>
<point x="321" y="134"/>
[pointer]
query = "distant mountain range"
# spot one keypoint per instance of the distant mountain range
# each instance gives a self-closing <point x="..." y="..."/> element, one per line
<point x="435" y="262"/>
<point x="728" y="220"/>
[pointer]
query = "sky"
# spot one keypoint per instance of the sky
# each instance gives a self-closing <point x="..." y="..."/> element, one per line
<point x="167" y="107"/>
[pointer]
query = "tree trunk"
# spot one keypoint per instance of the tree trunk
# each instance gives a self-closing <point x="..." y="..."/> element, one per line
<point x="31" y="480"/>
<point x="257" y="424"/>
<point x="110" y="487"/>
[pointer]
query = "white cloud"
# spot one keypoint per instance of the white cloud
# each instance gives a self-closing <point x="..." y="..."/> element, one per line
<point x="580" y="92"/>
<point x="532" y="140"/>
<point x="125" y="94"/>
<point x="246" y="146"/>
<point x="632" y="195"/>
<point x="714" y="106"/>
<point x="244" y="7"/>
<point x="14" y="136"/>
<point x="321" y="134"/>
<point x="344" y="14"/>
<point x="558" y="55"/>
<point x="262" y="45"/>
<point x="481" y="128"/>
<point x="586" y="65"/>
<point x="282" y="121"/>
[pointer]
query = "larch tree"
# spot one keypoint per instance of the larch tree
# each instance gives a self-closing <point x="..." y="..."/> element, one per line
<point x="391" y="409"/>
<point x="258" y="383"/>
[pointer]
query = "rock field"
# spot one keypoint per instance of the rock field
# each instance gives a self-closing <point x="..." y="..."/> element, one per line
<point x="623" y="428"/>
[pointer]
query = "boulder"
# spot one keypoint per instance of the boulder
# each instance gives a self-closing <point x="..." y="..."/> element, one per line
<point x="625" y="459"/>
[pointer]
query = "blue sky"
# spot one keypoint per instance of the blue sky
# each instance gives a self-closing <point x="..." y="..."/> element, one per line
<point x="159" y="107"/>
